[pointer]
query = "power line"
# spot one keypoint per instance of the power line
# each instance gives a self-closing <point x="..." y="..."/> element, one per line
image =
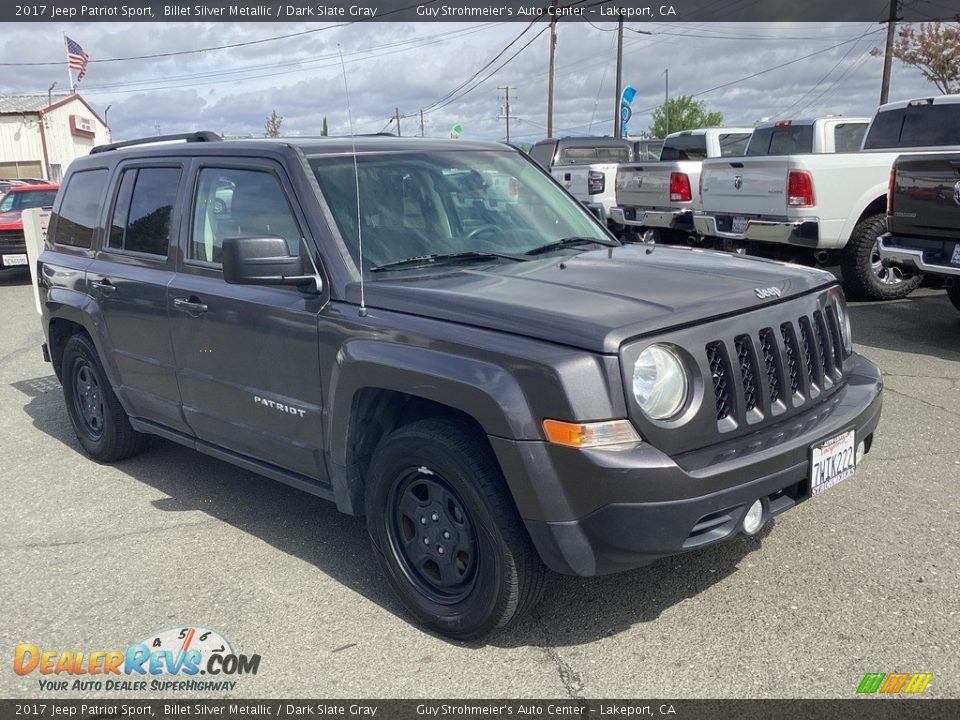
<point x="830" y="72"/>
<point x="413" y="43"/>
<point x="452" y="96"/>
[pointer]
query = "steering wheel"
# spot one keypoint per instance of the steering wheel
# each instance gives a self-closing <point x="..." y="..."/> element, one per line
<point x="482" y="229"/>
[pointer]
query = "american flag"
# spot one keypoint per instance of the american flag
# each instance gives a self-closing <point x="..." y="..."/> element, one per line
<point x="76" y="58"/>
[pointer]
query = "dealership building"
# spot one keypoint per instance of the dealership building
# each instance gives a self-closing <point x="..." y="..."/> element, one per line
<point x="40" y="135"/>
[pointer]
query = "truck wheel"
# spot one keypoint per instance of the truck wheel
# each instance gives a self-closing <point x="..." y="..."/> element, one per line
<point x="863" y="273"/>
<point x="445" y="531"/>
<point x="100" y="422"/>
<point x="953" y="292"/>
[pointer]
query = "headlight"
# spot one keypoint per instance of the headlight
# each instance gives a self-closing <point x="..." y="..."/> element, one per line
<point x="660" y="382"/>
<point x="846" y="333"/>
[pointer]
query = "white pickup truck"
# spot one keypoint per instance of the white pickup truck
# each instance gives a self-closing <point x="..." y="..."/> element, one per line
<point x="586" y="167"/>
<point x="830" y="206"/>
<point x="658" y="196"/>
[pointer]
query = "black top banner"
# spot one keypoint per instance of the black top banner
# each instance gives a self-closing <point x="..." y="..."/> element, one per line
<point x="477" y="10"/>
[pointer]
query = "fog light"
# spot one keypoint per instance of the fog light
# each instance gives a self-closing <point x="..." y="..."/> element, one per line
<point x="861" y="451"/>
<point x="753" y="519"/>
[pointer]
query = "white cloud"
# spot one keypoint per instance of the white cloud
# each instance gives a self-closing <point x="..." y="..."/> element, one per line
<point x="233" y="90"/>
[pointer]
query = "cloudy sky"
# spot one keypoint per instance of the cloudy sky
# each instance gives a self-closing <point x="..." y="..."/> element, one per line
<point x="417" y="65"/>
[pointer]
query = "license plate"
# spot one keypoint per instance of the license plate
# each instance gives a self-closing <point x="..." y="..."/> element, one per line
<point x="955" y="259"/>
<point x="832" y="461"/>
<point x="738" y="225"/>
<point x="12" y="260"/>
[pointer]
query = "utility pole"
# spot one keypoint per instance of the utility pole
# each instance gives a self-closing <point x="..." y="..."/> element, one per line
<point x="553" y="52"/>
<point x="616" y="100"/>
<point x="397" y="117"/>
<point x="506" y="107"/>
<point x="666" y="99"/>
<point x="888" y="51"/>
<point x="421" y="122"/>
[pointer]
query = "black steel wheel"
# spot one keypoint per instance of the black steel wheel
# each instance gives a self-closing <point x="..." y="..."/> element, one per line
<point x="98" y="418"/>
<point x="445" y="531"/>
<point x="87" y="398"/>
<point x="431" y="536"/>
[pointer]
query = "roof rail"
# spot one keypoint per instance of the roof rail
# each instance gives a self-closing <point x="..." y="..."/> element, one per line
<point x="200" y="136"/>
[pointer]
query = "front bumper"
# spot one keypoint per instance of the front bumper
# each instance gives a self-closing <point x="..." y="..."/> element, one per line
<point x="926" y="255"/>
<point x="12" y="242"/>
<point x="803" y="232"/>
<point x="638" y="217"/>
<point x="603" y="511"/>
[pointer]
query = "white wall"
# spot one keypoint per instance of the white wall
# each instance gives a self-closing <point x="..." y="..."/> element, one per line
<point x="20" y="138"/>
<point x="62" y="146"/>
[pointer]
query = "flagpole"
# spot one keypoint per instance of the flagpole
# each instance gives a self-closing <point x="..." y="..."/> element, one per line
<point x="69" y="71"/>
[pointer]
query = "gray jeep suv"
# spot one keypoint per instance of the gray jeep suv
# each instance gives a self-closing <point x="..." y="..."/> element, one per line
<point x="435" y="335"/>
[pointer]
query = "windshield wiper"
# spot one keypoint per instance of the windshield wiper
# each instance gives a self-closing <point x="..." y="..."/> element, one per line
<point x="427" y="260"/>
<point x="570" y="242"/>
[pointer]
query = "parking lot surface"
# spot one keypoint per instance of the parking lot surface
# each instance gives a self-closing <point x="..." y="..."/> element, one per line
<point x="861" y="579"/>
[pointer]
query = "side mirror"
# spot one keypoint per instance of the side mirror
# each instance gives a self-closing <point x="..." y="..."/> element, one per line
<point x="254" y="260"/>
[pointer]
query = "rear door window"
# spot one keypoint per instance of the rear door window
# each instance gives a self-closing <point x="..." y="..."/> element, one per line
<point x="142" y="213"/>
<point x="80" y="210"/>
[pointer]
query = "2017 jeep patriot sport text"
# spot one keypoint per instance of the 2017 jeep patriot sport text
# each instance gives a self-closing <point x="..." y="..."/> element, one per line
<point x="508" y="389"/>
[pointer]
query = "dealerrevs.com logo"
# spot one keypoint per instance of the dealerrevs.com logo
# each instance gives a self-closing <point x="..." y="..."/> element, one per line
<point x="167" y="661"/>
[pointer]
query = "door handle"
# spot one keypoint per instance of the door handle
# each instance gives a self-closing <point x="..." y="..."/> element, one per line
<point x="191" y="305"/>
<point x="105" y="287"/>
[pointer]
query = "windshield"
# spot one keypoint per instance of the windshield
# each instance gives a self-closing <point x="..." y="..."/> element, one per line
<point x="25" y="200"/>
<point x="429" y="203"/>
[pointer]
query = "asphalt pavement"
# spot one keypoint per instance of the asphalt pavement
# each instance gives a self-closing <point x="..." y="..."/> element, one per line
<point x="864" y="578"/>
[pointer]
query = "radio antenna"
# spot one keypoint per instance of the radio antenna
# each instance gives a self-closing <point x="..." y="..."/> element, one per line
<point x="356" y="178"/>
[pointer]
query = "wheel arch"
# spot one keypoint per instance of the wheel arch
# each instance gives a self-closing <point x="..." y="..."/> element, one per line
<point x="378" y="387"/>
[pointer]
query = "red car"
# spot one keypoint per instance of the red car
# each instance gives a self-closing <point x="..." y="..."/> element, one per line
<point x="13" y="247"/>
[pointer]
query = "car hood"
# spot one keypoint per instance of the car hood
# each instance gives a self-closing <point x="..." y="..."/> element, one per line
<point x="594" y="300"/>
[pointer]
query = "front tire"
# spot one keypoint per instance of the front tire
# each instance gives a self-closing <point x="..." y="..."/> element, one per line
<point x="445" y="531"/>
<point x="100" y="422"/>
<point x="864" y="275"/>
<point x="953" y="292"/>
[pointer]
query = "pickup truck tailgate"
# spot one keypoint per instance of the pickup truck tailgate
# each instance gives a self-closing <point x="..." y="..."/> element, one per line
<point x="745" y="186"/>
<point x="925" y="196"/>
<point x="644" y="186"/>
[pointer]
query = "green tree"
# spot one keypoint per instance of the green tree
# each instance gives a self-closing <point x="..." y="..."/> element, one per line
<point x="324" y="130"/>
<point x="934" y="49"/>
<point x="271" y="128"/>
<point x="683" y="113"/>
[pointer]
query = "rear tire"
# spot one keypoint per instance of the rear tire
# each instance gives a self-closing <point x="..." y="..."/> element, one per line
<point x="863" y="273"/>
<point x="953" y="292"/>
<point x="445" y="531"/>
<point x="100" y="422"/>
